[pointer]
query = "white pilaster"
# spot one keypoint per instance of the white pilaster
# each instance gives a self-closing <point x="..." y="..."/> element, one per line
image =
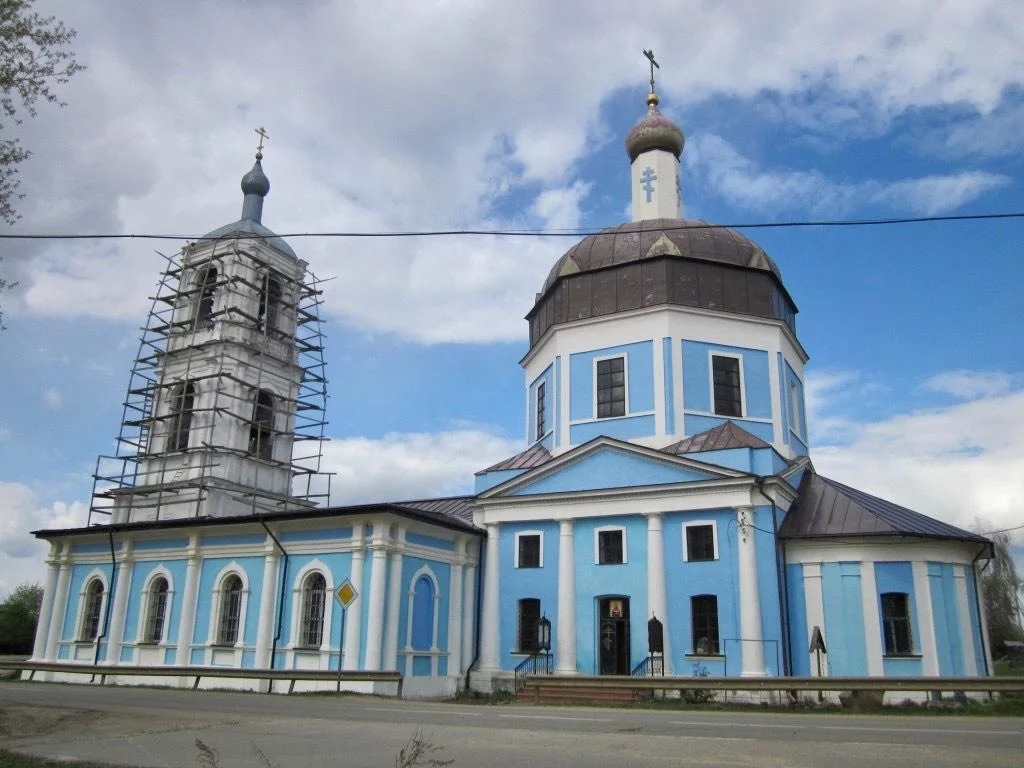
<point x="123" y="587"/>
<point x="657" y="601"/>
<point x="468" y="614"/>
<point x="186" y="628"/>
<point x="925" y="618"/>
<point x="751" y="638"/>
<point x="490" y="629"/>
<point x="872" y="621"/>
<point x="354" y="614"/>
<point x="390" y="659"/>
<point x="60" y="605"/>
<point x="268" y="602"/>
<point x="963" y="611"/>
<point x="455" y="611"/>
<point x="815" y="606"/>
<point x="378" y="601"/>
<point x="46" y="607"/>
<point x="565" y="632"/>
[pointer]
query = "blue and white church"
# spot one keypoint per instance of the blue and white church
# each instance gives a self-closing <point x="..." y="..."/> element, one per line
<point x="665" y="484"/>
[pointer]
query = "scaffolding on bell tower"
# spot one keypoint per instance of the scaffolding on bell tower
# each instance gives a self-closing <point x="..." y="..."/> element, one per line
<point x="225" y="409"/>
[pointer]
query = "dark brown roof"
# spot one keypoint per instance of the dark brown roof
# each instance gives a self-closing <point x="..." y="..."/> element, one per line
<point x="532" y="457"/>
<point x="458" y="507"/>
<point x="825" y="508"/>
<point x="727" y="435"/>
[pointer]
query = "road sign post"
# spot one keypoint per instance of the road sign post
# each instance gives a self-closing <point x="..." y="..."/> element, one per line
<point x="345" y="594"/>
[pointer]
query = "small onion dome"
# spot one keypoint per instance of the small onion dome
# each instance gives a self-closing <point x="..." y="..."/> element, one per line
<point x="255" y="182"/>
<point x="654" y="131"/>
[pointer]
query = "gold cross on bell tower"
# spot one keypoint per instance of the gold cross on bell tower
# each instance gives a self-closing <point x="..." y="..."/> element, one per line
<point x="262" y="133"/>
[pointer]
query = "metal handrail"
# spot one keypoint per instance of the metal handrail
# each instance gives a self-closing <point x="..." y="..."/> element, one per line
<point x="528" y="666"/>
<point x="650" y="666"/>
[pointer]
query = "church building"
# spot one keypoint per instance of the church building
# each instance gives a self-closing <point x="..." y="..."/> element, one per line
<point x="665" y="516"/>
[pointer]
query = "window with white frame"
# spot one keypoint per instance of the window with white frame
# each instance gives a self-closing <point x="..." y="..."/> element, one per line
<point x="156" y="610"/>
<point x="92" y="610"/>
<point x="700" y="541"/>
<point x="314" y="602"/>
<point x="610" y="381"/>
<point x="727" y="385"/>
<point x="228" y="621"/>
<point x="610" y="545"/>
<point x="541" y="410"/>
<point x="529" y="549"/>
<point x="899" y="640"/>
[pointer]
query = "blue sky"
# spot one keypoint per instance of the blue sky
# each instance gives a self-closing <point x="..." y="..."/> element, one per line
<point x="459" y="115"/>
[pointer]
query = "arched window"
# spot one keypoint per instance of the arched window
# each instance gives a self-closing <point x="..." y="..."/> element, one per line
<point x="230" y="610"/>
<point x="314" y="598"/>
<point x="183" y="397"/>
<point x="261" y="430"/>
<point x="156" y="599"/>
<point x="92" y="608"/>
<point x="270" y="303"/>
<point x="423" y="614"/>
<point x="206" y="285"/>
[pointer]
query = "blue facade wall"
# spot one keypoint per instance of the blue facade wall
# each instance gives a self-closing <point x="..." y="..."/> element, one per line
<point x="210" y="570"/>
<point x="799" y="635"/>
<point x="516" y="584"/>
<point x="670" y="391"/>
<point x="768" y="589"/>
<point x="899" y="577"/>
<point x="547" y="378"/>
<point x="946" y="615"/>
<point x="844" y="618"/>
<point x="697" y="389"/>
<point x="639" y="380"/>
<point x="621" y="428"/>
<point x="442" y="573"/>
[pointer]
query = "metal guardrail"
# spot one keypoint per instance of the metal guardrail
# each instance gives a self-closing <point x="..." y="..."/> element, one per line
<point x="1000" y="684"/>
<point x="292" y="675"/>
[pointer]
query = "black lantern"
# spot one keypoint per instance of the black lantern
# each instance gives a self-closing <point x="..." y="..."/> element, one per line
<point x="543" y="634"/>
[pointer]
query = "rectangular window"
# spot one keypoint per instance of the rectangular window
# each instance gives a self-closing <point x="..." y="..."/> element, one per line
<point x="610" y="548"/>
<point x="725" y="373"/>
<point x="541" y="408"/>
<point x="528" y="550"/>
<point x="611" y="387"/>
<point x="704" y="619"/>
<point x="529" y="615"/>
<point x="700" y="542"/>
<point x="896" y="624"/>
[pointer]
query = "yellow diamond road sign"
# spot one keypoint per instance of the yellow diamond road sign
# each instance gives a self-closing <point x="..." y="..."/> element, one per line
<point x="346" y="594"/>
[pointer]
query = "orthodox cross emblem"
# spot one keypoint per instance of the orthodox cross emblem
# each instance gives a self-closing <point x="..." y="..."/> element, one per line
<point x="647" y="179"/>
<point x="649" y="53"/>
<point x="262" y="133"/>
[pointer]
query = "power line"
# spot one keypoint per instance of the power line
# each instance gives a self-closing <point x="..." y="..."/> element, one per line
<point x="533" y="232"/>
<point x="1003" y="530"/>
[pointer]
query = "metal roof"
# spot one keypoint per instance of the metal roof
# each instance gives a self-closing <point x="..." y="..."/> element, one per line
<point x="727" y="435"/>
<point x="532" y="457"/>
<point x="825" y="508"/>
<point x="458" y="507"/>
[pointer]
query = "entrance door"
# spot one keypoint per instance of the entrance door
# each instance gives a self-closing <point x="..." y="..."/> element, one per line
<point x="613" y="636"/>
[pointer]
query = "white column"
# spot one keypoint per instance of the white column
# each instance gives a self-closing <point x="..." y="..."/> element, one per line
<point x="377" y="597"/>
<point x="657" y="600"/>
<point x="963" y="611"/>
<point x="872" y="622"/>
<point x="750" y="598"/>
<point x="354" y="615"/>
<point x="46" y="607"/>
<point x="186" y="628"/>
<point x="455" y="611"/>
<point x="123" y="588"/>
<point x="925" y="618"/>
<point x="490" y="629"/>
<point x="268" y="604"/>
<point x="565" y="632"/>
<point x="60" y="605"/>
<point x="468" y="614"/>
<point x="390" y="660"/>
<point x="815" y="605"/>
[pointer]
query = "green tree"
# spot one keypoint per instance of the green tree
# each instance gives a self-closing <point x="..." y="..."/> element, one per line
<point x="33" y="61"/>
<point x="1002" y="589"/>
<point x="18" y="616"/>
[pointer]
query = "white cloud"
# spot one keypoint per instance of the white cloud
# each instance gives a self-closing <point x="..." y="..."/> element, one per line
<point x="21" y="554"/>
<point x="53" y="399"/>
<point x="744" y="183"/>
<point x="970" y="385"/>
<point x="400" y="467"/>
<point x="960" y="463"/>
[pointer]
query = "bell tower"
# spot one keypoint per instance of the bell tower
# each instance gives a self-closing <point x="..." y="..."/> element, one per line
<point x="228" y="380"/>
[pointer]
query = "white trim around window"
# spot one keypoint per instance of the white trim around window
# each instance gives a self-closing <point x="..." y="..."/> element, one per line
<point x="213" y="632"/>
<point x="597" y="543"/>
<point x="625" y="385"/>
<point x="147" y="607"/>
<point x="712" y="354"/>
<point x="83" y="594"/>
<point x="714" y="538"/>
<point x="540" y="536"/>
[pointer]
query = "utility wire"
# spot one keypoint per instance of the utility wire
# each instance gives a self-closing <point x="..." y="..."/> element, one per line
<point x="532" y="232"/>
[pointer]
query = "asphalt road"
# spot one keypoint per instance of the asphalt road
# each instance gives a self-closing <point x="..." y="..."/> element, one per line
<point x="148" y="727"/>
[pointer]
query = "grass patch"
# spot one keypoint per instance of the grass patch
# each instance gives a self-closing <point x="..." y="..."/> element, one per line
<point x="10" y="759"/>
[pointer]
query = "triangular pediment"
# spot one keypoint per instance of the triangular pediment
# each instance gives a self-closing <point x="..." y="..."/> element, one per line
<point x="606" y="463"/>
